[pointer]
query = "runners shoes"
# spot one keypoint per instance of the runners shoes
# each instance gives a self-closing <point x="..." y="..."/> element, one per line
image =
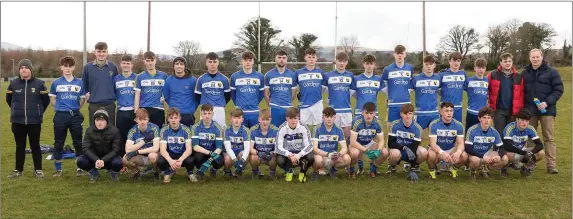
<point x="167" y="178"/>
<point x="15" y="174"/>
<point x="193" y="178"/>
<point x="137" y="175"/>
<point x="288" y="176"/>
<point x="503" y="172"/>
<point x="453" y="171"/>
<point x="302" y="177"/>
<point x="525" y="171"/>
<point x="94" y="176"/>
<point x="58" y="173"/>
<point x="79" y="172"/>
<point x="39" y="174"/>
<point x="432" y="174"/>
<point x="552" y="171"/>
<point x="391" y="170"/>
<point x="114" y="176"/>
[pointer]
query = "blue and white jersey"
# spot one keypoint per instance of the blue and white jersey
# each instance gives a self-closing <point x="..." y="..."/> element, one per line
<point x="328" y="140"/>
<point x="280" y="87"/>
<point x="339" y="86"/>
<point x="405" y="136"/>
<point x="398" y="81"/>
<point x="426" y="90"/>
<point x="310" y="86"/>
<point x="261" y="142"/>
<point x="483" y="141"/>
<point x="366" y="133"/>
<point x="238" y="138"/>
<point x="212" y="89"/>
<point x="210" y="138"/>
<point x="249" y="90"/>
<point x="367" y="89"/>
<point x="519" y="138"/>
<point x="67" y="93"/>
<point x="175" y="139"/>
<point x="124" y="90"/>
<point x="446" y="134"/>
<point x="151" y="131"/>
<point x="477" y="91"/>
<point x="452" y="85"/>
<point x="151" y="88"/>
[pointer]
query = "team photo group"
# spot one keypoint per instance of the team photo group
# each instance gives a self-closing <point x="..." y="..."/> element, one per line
<point x="144" y="125"/>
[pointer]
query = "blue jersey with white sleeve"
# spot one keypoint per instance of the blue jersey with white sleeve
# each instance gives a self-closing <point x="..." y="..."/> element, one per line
<point x="397" y="80"/>
<point x="176" y="139"/>
<point x="517" y="137"/>
<point x="238" y="138"/>
<point x="366" y="133"/>
<point x="339" y="86"/>
<point x="209" y="137"/>
<point x="67" y="93"/>
<point x="328" y="140"/>
<point x="213" y="89"/>
<point x="151" y="89"/>
<point x="310" y="86"/>
<point x="483" y="141"/>
<point x="405" y="136"/>
<point x="452" y="85"/>
<point x="280" y="87"/>
<point x="124" y="90"/>
<point x="426" y="90"/>
<point x="135" y="134"/>
<point x="264" y="142"/>
<point x="477" y="91"/>
<point x="247" y="90"/>
<point x="446" y="134"/>
<point x="367" y="89"/>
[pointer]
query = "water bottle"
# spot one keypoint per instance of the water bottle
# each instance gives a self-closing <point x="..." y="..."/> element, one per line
<point x="537" y="102"/>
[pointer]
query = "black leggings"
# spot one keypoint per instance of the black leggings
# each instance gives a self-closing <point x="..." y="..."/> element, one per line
<point x="32" y="131"/>
<point x="285" y="163"/>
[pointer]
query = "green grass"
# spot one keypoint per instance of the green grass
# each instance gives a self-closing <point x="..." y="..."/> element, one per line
<point x="541" y="196"/>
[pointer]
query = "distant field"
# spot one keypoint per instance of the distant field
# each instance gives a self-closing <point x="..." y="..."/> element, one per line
<point x="541" y="196"/>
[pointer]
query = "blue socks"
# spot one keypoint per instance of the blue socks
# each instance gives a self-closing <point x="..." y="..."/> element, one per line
<point x="58" y="165"/>
<point x="360" y="164"/>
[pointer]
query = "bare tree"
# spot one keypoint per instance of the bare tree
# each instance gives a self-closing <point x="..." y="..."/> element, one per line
<point x="459" y="39"/>
<point x="349" y="44"/>
<point x="498" y="40"/>
<point x="189" y="50"/>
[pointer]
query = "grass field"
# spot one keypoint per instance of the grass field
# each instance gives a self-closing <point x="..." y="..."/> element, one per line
<point x="540" y="196"/>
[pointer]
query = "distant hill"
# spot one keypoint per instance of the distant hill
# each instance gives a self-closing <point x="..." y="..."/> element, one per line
<point x="10" y="46"/>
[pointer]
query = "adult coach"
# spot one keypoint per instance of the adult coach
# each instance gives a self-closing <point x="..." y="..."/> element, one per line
<point x="27" y="98"/>
<point x="98" y="82"/>
<point x="544" y="83"/>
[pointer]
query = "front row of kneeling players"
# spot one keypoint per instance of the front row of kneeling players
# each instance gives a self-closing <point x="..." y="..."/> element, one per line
<point x="207" y="147"/>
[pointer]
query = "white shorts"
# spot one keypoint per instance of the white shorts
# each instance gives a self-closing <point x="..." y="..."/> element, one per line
<point x="312" y="115"/>
<point x="343" y="120"/>
<point x="219" y="116"/>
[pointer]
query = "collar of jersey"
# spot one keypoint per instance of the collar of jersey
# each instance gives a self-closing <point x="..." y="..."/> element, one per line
<point x="73" y="79"/>
<point x="123" y="77"/>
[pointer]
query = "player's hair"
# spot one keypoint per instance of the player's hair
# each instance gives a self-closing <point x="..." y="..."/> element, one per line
<point x="481" y="63"/>
<point x="328" y="112"/>
<point x="206" y="107"/>
<point x="281" y="53"/>
<point x="265" y="114"/>
<point x="310" y="51"/>
<point x="141" y="114"/>
<point x="455" y="56"/>
<point x="148" y="55"/>
<point x="211" y="56"/>
<point x="446" y="105"/>
<point x="523" y="114"/>
<point x="485" y="111"/>
<point x="248" y="55"/>
<point x="407" y="108"/>
<point x="369" y="107"/>
<point x="536" y="50"/>
<point x="429" y="59"/>
<point x="292" y="112"/>
<point x="173" y="111"/>
<point x="67" y="60"/>
<point x="126" y="58"/>
<point x="342" y="56"/>
<point x="506" y="56"/>
<point x="237" y="113"/>
<point x="399" y="49"/>
<point x="101" y="46"/>
<point x="369" y="59"/>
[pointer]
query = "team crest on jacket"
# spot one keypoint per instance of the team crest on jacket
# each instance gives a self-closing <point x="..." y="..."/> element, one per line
<point x="33" y="90"/>
<point x="288" y="80"/>
<point x="110" y="73"/>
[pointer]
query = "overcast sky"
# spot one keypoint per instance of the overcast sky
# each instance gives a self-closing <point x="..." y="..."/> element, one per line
<point x="378" y="25"/>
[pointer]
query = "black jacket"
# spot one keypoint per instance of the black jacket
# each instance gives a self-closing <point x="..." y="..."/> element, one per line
<point x="28" y="99"/>
<point x="545" y="84"/>
<point x="101" y="144"/>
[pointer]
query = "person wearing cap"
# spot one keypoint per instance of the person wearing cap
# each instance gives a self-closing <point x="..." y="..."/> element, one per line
<point x="27" y="98"/>
<point x="101" y="146"/>
<point x="97" y="77"/>
<point x="179" y="91"/>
